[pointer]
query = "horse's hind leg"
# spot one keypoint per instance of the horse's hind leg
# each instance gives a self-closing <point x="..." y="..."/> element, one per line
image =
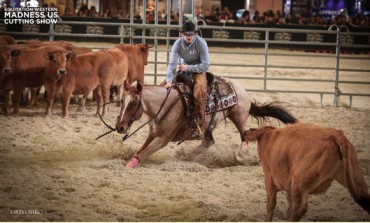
<point x="240" y="119"/>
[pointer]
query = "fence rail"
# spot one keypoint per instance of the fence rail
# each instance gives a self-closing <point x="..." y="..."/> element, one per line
<point x="127" y="31"/>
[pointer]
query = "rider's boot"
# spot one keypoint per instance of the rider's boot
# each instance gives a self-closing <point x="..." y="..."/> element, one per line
<point x="200" y="101"/>
<point x="200" y="109"/>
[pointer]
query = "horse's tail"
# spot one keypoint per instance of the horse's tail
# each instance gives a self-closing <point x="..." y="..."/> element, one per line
<point x="261" y="112"/>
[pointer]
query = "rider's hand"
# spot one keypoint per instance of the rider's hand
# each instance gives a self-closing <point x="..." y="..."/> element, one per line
<point x="183" y="67"/>
<point x="167" y="85"/>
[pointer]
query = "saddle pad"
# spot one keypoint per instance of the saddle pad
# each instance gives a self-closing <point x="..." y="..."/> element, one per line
<point x="224" y="101"/>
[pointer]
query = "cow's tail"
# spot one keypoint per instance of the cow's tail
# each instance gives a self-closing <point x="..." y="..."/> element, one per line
<point x="355" y="181"/>
<point x="261" y="112"/>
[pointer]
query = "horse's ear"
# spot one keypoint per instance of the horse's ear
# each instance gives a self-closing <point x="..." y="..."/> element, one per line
<point x="139" y="87"/>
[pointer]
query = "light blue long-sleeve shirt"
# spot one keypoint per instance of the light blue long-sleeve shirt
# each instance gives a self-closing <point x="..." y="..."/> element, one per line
<point x="196" y="56"/>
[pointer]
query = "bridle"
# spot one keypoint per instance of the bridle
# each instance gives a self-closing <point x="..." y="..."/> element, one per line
<point x="132" y="119"/>
<point x="128" y="135"/>
<point x="111" y="129"/>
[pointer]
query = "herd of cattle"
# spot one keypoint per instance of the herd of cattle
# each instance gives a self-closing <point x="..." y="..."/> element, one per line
<point x="300" y="159"/>
<point x="65" y="70"/>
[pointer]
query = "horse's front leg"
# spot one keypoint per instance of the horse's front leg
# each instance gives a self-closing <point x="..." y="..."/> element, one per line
<point x="151" y="145"/>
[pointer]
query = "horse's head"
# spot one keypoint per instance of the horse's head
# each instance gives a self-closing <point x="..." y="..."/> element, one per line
<point x="131" y="110"/>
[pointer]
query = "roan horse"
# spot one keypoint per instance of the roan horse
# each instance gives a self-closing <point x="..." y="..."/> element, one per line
<point x="168" y="121"/>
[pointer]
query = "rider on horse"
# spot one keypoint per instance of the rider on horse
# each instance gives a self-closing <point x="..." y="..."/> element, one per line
<point x="193" y="52"/>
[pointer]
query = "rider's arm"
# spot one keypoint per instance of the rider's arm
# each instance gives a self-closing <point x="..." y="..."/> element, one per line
<point x="172" y="64"/>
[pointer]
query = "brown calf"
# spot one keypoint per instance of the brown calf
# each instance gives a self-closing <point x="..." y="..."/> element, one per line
<point x="304" y="159"/>
<point x="88" y="71"/>
<point x="27" y="72"/>
<point x="7" y="40"/>
<point x="137" y="55"/>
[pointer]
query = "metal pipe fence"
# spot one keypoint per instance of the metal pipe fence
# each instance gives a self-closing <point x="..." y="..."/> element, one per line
<point x="126" y="33"/>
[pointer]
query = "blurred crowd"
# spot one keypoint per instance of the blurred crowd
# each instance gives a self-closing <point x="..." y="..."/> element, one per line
<point x="243" y="17"/>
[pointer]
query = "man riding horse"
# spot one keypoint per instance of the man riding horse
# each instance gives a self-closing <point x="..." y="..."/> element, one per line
<point x="193" y="52"/>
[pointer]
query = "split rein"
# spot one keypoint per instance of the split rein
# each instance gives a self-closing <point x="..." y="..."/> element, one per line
<point x="128" y="135"/>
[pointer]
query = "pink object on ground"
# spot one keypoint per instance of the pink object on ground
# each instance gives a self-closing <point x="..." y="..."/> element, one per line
<point x="133" y="163"/>
<point x="244" y="147"/>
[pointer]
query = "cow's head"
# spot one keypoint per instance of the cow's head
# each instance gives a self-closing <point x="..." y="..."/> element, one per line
<point x="58" y="60"/>
<point x="6" y="55"/>
<point x="256" y="134"/>
<point x="144" y="50"/>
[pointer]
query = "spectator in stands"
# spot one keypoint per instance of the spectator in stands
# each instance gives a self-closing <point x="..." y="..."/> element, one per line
<point x="162" y="14"/>
<point x="312" y="20"/>
<point x="301" y="19"/>
<point x="291" y="19"/>
<point x="67" y="12"/>
<point x="245" y="19"/>
<point x="208" y="17"/>
<point x="270" y="20"/>
<point x="320" y="20"/>
<point x="174" y="16"/>
<point x="107" y="13"/>
<point x="217" y="14"/>
<point x="199" y="12"/>
<point x="256" y="17"/>
<point x="278" y="14"/>
<point x="82" y="11"/>
<point x="137" y="15"/>
<point x="92" y="12"/>
<point x="60" y="11"/>
<point x="225" y="18"/>
<point x="364" y="21"/>
<point x="280" y="21"/>
<point x="150" y="16"/>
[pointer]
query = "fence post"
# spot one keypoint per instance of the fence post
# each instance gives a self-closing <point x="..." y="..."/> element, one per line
<point x="267" y="37"/>
<point x="156" y="42"/>
<point x="337" y="55"/>
<point x="51" y="32"/>
<point x="121" y="34"/>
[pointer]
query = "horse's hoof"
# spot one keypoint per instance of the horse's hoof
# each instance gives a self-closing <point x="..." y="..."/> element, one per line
<point x="80" y="109"/>
<point x="244" y="147"/>
<point x="206" y="143"/>
<point x="133" y="163"/>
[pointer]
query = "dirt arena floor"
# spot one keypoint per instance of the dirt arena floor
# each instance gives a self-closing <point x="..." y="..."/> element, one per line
<point x="53" y="169"/>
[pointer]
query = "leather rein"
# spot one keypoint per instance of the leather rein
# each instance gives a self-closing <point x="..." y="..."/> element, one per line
<point x="132" y="119"/>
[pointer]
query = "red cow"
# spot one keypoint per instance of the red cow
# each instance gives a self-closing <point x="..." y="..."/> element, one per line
<point x="88" y="71"/>
<point x="304" y="159"/>
<point x="138" y="57"/>
<point x="27" y="72"/>
<point x="7" y="40"/>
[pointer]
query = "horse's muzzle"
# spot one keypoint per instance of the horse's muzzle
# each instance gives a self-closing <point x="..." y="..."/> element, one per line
<point x="122" y="129"/>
